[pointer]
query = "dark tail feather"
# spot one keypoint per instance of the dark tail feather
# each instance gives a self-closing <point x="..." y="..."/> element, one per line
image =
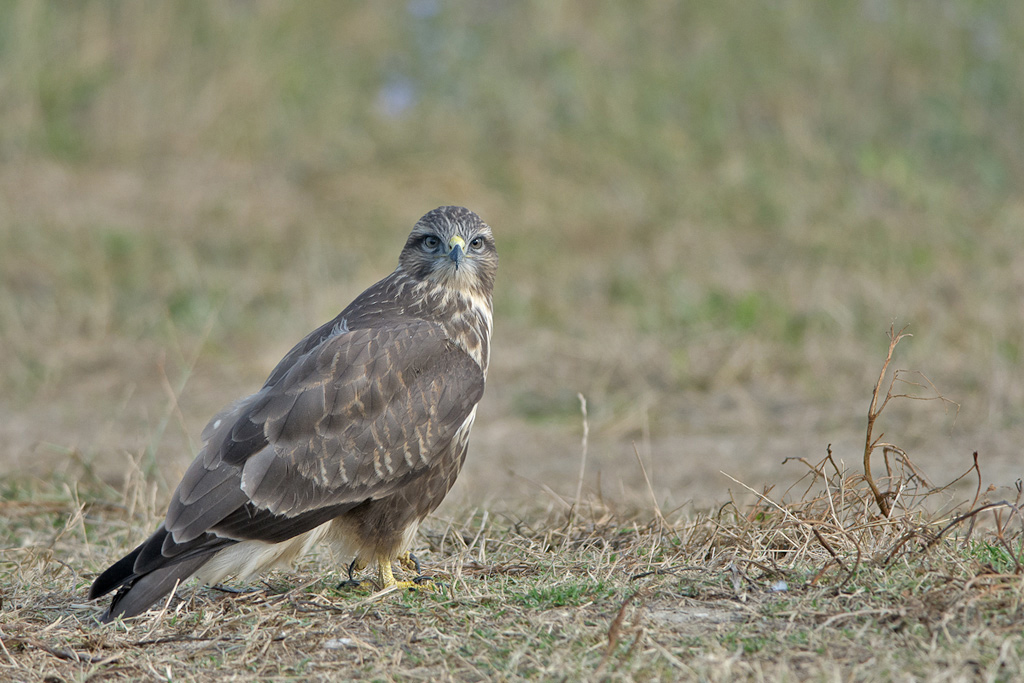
<point x="116" y="575"/>
<point x="139" y="592"/>
<point x="145" y="574"/>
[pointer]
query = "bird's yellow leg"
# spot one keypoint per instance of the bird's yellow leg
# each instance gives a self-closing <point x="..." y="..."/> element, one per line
<point x="385" y="577"/>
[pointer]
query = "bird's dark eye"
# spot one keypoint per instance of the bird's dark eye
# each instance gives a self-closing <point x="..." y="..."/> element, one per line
<point x="477" y="243"/>
<point x="431" y="242"/>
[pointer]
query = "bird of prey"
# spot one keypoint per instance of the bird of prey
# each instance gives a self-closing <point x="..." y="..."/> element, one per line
<point x="356" y="436"/>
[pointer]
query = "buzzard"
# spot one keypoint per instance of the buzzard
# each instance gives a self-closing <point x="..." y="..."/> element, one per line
<point x="356" y="436"/>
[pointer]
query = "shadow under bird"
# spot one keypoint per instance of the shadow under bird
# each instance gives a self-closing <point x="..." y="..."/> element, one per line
<point x="356" y="436"/>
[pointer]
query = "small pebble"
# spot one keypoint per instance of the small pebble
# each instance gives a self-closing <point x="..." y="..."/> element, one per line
<point x="339" y="643"/>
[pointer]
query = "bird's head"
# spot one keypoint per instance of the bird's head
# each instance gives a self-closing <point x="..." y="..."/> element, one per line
<point x="452" y="247"/>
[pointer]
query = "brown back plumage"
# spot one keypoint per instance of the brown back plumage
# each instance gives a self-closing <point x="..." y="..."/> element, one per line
<point x="363" y="424"/>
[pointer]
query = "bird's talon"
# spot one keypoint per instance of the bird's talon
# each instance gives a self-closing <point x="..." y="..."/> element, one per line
<point x="410" y="562"/>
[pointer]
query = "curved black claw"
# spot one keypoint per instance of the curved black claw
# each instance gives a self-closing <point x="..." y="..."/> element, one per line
<point x="351" y="581"/>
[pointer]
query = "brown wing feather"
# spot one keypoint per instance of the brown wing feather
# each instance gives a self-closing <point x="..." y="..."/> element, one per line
<point x="360" y="415"/>
<point x="351" y="420"/>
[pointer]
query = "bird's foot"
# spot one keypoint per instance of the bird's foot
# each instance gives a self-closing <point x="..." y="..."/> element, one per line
<point x="410" y="562"/>
<point x="418" y="583"/>
<point x="357" y="565"/>
<point x="386" y="578"/>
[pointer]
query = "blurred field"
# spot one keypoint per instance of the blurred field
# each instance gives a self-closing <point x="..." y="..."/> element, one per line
<point x="708" y="216"/>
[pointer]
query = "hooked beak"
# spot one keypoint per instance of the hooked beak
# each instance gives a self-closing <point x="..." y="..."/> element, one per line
<point x="456" y="250"/>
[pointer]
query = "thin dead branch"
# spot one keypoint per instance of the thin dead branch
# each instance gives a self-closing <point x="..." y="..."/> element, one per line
<point x="874" y="410"/>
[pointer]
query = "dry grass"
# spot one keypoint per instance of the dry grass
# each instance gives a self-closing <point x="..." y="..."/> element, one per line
<point x="839" y="575"/>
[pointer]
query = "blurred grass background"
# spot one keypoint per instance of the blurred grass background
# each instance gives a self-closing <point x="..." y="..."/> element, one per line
<point x="708" y="215"/>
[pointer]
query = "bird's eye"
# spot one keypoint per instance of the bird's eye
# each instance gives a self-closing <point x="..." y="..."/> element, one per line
<point x="431" y="242"/>
<point x="477" y="243"/>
